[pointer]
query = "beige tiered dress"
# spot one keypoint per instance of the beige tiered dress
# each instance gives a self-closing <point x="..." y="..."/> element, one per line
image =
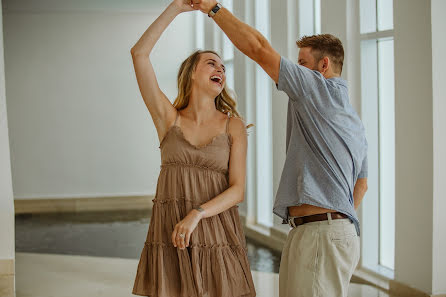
<point x="215" y="264"/>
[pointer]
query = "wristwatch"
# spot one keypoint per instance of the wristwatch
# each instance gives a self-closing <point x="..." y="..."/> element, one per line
<point x="214" y="10"/>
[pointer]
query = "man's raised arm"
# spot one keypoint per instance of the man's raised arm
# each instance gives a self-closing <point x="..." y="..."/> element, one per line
<point x="247" y="39"/>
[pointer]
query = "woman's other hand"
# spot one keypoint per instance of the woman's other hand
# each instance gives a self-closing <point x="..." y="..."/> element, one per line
<point x="182" y="5"/>
<point x="183" y="230"/>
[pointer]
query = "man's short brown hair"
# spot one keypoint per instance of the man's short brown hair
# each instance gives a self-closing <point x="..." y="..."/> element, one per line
<point x="323" y="45"/>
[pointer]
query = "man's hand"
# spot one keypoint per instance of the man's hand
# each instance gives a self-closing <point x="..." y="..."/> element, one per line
<point x="204" y="6"/>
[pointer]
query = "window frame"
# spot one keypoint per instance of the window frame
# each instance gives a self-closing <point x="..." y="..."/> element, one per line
<point x="371" y="80"/>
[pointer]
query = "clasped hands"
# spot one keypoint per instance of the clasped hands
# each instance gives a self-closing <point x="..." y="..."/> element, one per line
<point x="204" y="6"/>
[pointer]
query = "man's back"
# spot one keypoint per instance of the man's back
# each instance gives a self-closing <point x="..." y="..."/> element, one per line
<point x="326" y="145"/>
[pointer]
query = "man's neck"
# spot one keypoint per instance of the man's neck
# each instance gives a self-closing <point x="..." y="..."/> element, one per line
<point x="331" y="75"/>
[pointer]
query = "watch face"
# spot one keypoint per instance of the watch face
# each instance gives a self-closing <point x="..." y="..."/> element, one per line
<point x="215" y="9"/>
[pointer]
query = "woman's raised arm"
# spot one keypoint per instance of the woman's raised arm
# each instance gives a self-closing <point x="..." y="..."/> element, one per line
<point x="162" y="112"/>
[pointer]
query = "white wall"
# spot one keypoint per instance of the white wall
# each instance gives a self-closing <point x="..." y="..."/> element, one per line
<point x="78" y="125"/>
<point x="414" y="139"/>
<point x="6" y="197"/>
<point x="439" y="146"/>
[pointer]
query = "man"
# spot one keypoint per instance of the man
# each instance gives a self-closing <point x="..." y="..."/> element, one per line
<point x="325" y="173"/>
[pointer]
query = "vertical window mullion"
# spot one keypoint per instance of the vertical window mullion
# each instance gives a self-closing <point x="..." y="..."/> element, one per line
<point x="379" y="150"/>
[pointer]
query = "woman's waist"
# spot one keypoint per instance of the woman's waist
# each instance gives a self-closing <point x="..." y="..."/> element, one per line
<point x="202" y="166"/>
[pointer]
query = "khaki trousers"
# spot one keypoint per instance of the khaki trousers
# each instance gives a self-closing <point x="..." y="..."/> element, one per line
<point x="318" y="259"/>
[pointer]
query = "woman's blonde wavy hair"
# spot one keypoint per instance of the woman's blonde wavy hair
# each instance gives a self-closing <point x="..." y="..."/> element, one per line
<point x="224" y="102"/>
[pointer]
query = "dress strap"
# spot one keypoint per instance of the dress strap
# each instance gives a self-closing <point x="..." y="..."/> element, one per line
<point x="176" y="119"/>
<point x="227" y="124"/>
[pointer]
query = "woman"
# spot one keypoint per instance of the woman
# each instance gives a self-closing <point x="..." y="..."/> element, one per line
<point x="195" y="245"/>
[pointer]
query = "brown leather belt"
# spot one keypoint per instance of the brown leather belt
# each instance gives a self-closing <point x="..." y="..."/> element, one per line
<point x="297" y="221"/>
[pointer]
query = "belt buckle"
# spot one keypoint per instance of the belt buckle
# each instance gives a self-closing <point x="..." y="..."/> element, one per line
<point x="291" y="222"/>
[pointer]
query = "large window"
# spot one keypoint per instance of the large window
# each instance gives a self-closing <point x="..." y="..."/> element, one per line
<point x="378" y="112"/>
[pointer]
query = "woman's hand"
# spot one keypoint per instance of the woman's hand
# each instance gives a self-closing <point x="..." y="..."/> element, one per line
<point x="204" y="6"/>
<point x="183" y="230"/>
<point x="182" y="5"/>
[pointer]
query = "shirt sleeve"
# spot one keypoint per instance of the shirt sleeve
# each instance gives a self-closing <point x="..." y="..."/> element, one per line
<point x="295" y="80"/>
<point x="364" y="168"/>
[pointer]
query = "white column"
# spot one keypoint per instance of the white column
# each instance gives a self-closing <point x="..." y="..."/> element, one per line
<point x="290" y="9"/>
<point x="243" y="87"/>
<point x="439" y="146"/>
<point x="7" y="247"/>
<point x="414" y="144"/>
<point x="263" y="86"/>
<point x="251" y="117"/>
<point x="283" y="40"/>
<point x="209" y="34"/>
<point x="341" y="18"/>
<point x="334" y="21"/>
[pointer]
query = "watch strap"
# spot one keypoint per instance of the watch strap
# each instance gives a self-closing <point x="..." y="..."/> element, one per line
<point x="214" y="10"/>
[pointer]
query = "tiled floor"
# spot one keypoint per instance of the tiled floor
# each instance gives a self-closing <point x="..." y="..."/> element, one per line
<point x="96" y="255"/>
<point x="43" y="275"/>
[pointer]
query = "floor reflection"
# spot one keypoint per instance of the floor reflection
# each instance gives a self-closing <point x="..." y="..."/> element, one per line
<point x="118" y="234"/>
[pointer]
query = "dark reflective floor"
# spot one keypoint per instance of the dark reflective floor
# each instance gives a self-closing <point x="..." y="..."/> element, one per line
<point x="105" y="234"/>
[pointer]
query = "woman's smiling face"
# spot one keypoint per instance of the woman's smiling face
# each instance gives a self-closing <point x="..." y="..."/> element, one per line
<point x="210" y="73"/>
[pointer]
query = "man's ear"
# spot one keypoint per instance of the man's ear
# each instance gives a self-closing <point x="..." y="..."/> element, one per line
<point x="325" y="63"/>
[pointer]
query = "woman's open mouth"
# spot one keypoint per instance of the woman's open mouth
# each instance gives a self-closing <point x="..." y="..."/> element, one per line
<point x="217" y="79"/>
